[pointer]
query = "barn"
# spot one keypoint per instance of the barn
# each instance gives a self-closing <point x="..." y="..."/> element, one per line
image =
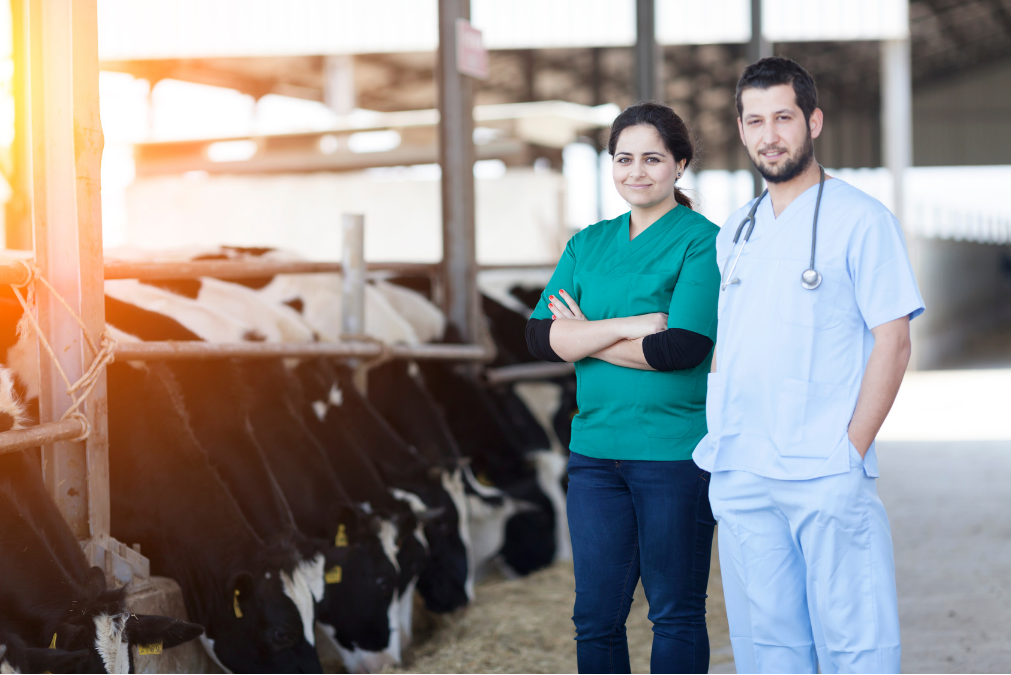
<point x="269" y="408"/>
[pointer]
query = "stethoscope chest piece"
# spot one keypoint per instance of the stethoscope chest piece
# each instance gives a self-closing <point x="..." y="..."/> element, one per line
<point x="810" y="279"/>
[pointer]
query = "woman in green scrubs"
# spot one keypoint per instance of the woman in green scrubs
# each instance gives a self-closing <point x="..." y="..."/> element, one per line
<point x="632" y="303"/>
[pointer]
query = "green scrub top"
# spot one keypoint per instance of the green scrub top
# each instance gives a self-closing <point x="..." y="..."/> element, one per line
<point x="626" y="413"/>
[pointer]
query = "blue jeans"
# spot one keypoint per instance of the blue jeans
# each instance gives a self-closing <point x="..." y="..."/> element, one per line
<point x="637" y="518"/>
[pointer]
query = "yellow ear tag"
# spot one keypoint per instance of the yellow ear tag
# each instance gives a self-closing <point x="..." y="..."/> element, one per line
<point x="342" y="536"/>
<point x="483" y="479"/>
<point x="52" y="644"/>
<point x="150" y="650"/>
<point x="334" y="575"/>
<point x="235" y="605"/>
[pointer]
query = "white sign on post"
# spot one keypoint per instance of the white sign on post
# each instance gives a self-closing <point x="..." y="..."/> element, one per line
<point x="471" y="56"/>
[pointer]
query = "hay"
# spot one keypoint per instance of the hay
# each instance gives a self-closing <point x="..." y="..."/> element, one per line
<point x="525" y="626"/>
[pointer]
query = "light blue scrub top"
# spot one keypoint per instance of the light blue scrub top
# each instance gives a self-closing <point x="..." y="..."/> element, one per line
<point x="790" y="361"/>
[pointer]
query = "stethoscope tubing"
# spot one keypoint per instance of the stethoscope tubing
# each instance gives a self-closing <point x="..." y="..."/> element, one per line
<point x="750" y="219"/>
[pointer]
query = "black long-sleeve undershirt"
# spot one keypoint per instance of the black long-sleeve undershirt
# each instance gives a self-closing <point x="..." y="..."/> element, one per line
<point x="666" y="351"/>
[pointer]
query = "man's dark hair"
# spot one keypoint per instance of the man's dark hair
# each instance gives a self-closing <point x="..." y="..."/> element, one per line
<point x="776" y="70"/>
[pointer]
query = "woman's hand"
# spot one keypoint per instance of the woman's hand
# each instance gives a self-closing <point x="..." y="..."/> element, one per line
<point x="645" y="324"/>
<point x="574" y="337"/>
<point x="559" y="310"/>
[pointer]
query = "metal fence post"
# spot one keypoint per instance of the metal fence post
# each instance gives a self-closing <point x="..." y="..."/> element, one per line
<point x="353" y="260"/>
<point x="353" y="289"/>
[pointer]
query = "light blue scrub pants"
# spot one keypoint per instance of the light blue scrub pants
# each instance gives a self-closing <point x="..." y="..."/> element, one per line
<point x="808" y="573"/>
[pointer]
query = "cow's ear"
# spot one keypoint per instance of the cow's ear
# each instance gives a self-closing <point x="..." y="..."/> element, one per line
<point x="241" y="594"/>
<point x="58" y="661"/>
<point x="68" y="636"/>
<point x="94" y="584"/>
<point x="345" y="521"/>
<point x="146" y="629"/>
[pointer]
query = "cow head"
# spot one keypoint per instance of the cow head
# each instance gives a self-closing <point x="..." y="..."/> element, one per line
<point x="17" y="657"/>
<point x="255" y="627"/>
<point x="97" y="624"/>
<point x="360" y="574"/>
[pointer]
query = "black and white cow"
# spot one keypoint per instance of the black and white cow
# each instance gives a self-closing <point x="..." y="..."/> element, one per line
<point x="317" y="299"/>
<point x="360" y="441"/>
<point x="17" y="657"/>
<point x="50" y="597"/>
<point x="398" y="392"/>
<point x="166" y="497"/>
<point x="360" y="613"/>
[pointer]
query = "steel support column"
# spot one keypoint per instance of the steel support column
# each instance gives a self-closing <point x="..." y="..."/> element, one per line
<point x="66" y="157"/>
<point x="897" y="117"/>
<point x="897" y="142"/>
<point x="647" y="53"/>
<point x="758" y="49"/>
<point x="456" y="156"/>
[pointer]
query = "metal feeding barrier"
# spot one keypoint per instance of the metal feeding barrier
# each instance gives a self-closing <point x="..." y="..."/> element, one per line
<point x="353" y="269"/>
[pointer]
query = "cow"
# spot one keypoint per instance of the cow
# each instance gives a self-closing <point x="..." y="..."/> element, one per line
<point x="166" y="497"/>
<point x="397" y="391"/>
<point x="443" y="585"/>
<point x="360" y="441"/>
<point x="17" y="657"/>
<point x="50" y="597"/>
<point x="367" y="637"/>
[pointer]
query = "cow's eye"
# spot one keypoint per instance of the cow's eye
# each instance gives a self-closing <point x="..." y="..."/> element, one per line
<point x="280" y="638"/>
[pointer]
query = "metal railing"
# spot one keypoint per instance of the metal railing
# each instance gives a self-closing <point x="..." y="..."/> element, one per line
<point x="19" y="274"/>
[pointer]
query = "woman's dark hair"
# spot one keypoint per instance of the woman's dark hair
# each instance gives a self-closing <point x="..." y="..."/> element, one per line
<point x="672" y="129"/>
<point x="776" y="70"/>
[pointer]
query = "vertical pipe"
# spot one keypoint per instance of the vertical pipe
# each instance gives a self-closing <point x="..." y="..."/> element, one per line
<point x="339" y="91"/>
<point x="646" y="52"/>
<point x="758" y="49"/>
<point x="58" y="241"/>
<point x="597" y="92"/>
<point x="353" y="301"/>
<point x="456" y="156"/>
<point x="897" y="117"/>
<point x="897" y="148"/>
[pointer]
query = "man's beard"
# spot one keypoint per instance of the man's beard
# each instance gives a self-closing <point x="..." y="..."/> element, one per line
<point x="789" y="169"/>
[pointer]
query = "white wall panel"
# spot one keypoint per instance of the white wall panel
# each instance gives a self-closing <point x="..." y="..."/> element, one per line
<point x="816" y="20"/>
<point x="685" y="22"/>
<point x="151" y="29"/>
<point x="521" y="24"/>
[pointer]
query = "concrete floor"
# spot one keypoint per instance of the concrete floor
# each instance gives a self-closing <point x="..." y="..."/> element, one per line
<point x="950" y="509"/>
<point x="949" y="504"/>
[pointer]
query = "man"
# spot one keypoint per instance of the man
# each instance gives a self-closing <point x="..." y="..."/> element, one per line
<point x="812" y="344"/>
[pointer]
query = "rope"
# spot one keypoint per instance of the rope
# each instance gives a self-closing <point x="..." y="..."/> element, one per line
<point x="385" y="353"/>
<point x="103" y="356"/>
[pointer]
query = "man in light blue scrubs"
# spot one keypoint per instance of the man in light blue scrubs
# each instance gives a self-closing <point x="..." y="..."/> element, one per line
<point x="813" y="340"/>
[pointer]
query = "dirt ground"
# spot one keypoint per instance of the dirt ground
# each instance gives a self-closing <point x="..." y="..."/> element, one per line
<point x="525" y="626"/>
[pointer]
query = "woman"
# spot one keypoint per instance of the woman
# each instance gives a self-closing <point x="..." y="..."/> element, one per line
<point x="632" y="303"/>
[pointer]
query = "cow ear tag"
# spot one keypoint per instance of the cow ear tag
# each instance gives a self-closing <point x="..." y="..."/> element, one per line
<point x="334" y="575"/>
<point x="153" y="649"/>
<point x="52" y="643"/>
<point x="235" y="605"/>
<point x="342" y="536"/>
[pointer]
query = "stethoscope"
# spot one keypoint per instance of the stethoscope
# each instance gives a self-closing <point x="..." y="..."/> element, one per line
<point x="810" y="278"/>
